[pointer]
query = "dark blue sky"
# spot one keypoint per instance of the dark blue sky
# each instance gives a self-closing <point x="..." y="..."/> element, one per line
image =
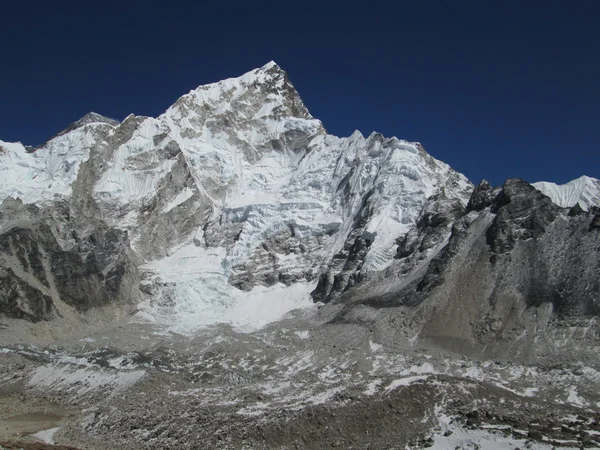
<point x="497" y="89"/>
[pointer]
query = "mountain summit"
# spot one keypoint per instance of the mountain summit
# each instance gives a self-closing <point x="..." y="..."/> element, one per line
<point x="584" y="191"/>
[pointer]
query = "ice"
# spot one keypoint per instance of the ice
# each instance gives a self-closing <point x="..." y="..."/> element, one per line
<point x="584" y="190"/>
<point x="197" y="294"/>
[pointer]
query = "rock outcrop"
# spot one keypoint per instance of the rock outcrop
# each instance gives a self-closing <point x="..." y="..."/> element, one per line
<point x="511" y="275"/>
<point x="50" y="260"/>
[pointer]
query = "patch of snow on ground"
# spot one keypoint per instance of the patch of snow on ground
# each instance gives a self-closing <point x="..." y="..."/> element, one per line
<point x="477" y="439"/>
<point x="404" y="382"/>
<point x="302" y="334"/>
<point x="530" y="392"/>
<point x="261" y="306"/>
<point x="81" y="381"/>
<point x="374" y="346"/>
<point x="426" y="367"/>
<point x="372" y="387"/>
<point x="575" y="399"/>
<point x="46" y="436"/>
<point x="483" y="439"/>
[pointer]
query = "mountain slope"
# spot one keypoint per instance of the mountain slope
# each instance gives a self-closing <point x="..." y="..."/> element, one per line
<point x="511" y="276"/>
<point x="235" y="206"/>
<point x="240" y="185"/>
<point x="35" y="175"/>
<point x="584" y="191"/>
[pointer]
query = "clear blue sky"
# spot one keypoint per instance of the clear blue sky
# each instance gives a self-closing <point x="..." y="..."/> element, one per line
<point x="497" y="89"/>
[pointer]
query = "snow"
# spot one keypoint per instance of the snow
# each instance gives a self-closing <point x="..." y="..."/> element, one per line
<point x="179" y="199"/>
<point x="531" y="392"/>
<point x="263" y="305"/>
<point x="302" y="334"/>
<point x="80" y="381"/>
<point x="407" y="381"/>
<point x="372" y="387"/>
<point x="426" y="367"/>
<point x="197" y="294"/>
<point x="584" y="190"/>
<point x="282" y="189"/>
<point x="374" y="346"/>
<point x="485" y="439"/>
<point x="271" y="188"/>
<point x="39" y="176"/>
<point x="46" y="436"/>
<point x="474" y="439"/>
<point x="574" y="398"/>
<point x="136" y="168"/>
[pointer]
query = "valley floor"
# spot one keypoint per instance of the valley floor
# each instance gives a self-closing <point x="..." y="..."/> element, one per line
<point x="299" y="383"/>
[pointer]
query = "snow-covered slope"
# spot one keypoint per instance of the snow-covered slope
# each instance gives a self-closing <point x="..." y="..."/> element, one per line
<point x="584" y="190"/>
<point x="36" y="175"/>
<point x="241" y="171"/>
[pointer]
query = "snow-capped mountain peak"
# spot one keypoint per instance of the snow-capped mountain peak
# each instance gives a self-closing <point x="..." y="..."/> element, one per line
<point x="267" y="87"/>
<point x="235" y="207"/>
<point x="584" y="191"/>
<point x="239" y="187"/>
<point x="40" y="174"/>
<point x="91" y="117"/>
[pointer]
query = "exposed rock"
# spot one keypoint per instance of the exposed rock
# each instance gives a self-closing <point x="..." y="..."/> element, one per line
<point x="45" y="259"/>
<point x="512" y="266"/>
<point x="522" y="213"/>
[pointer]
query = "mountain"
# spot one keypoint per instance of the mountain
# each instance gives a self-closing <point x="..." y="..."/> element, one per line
<point x="238" y="183"/>
<point x="584" y="191"/>
<point x="229" y="273"/>
<point x="236" y="206"/>
<point x="506" y="277"/>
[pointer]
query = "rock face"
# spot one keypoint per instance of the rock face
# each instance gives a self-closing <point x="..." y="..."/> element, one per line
<point x="236" y="192"/>
<point x="49" y="263"/>
<point x="511" y="275"/>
